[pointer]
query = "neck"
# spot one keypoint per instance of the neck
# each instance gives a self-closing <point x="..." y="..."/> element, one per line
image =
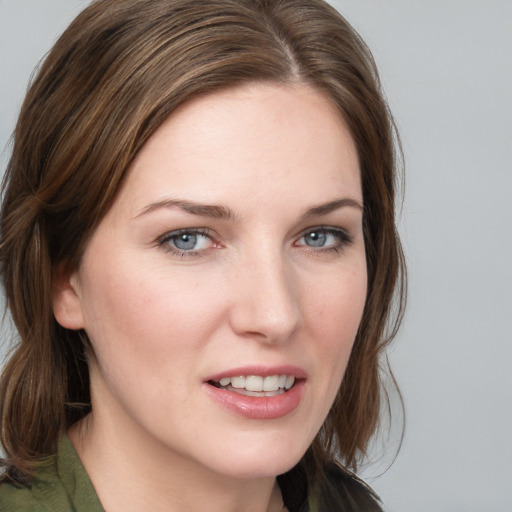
<point x="130" y="475"/>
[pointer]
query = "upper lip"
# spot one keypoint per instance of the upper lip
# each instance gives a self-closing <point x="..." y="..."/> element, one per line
<point x="263" y="371"/>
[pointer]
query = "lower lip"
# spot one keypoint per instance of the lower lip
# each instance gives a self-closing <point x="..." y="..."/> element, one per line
<point x="259" y="408"/>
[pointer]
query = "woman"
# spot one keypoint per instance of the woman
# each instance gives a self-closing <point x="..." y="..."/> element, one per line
<point x="199" y="254"/>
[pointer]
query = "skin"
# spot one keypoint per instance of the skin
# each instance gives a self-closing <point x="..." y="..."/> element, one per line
<point x="253" y="291"/>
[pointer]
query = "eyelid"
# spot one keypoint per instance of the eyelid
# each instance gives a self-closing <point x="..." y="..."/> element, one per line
<point x="343" y="235"/>
<point x="177" y="232"/>
<point x="163" y="241"/>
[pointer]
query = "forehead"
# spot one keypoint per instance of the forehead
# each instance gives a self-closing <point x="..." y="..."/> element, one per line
<point x="248" y="141"/>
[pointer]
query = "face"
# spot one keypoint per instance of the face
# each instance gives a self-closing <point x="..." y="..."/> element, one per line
<point x="223" y="290"/>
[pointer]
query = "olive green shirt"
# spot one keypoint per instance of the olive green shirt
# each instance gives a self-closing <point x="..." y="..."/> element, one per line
<point x="59" y="486"/>
<point x="62" y="485"/>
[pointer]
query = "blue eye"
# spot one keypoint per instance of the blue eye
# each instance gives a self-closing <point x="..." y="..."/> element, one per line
<point x="186" y="241"/>
<point x="326" y="238"/>
<point x="316" y="238"/>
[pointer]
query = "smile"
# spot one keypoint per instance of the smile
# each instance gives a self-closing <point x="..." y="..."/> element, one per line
<point x="256" y="385"/>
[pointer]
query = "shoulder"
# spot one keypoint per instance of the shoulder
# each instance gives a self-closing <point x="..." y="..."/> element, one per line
<point x="13" y="498"/>
<point x="59" y="485"/>
<point x="42" y="495"/>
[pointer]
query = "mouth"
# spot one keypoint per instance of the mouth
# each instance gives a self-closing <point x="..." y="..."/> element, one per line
<point x="256" y="385"/>
<point x="258" y="392"/>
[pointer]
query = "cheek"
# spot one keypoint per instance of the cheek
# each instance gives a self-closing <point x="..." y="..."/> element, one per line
<point x="132" y="317"/>
<point x="147" y="335"/>
<point x="336" y="302"/>
<point x="334" y="313"/>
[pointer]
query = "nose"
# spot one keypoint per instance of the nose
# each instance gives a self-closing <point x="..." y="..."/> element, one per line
<point x="266" y="303"/>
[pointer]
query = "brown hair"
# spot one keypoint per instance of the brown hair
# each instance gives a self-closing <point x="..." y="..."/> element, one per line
<point x="111" y="79"/>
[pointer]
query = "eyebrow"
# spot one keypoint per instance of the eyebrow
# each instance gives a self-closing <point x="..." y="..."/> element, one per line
<point x="224" y="213"/>
<point x="203" y="210"/>
<point x="331" y="206"/>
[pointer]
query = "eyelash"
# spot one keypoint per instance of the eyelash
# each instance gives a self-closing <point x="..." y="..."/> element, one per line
<point x="343" y="237"/>
<point x="165" y="241"/>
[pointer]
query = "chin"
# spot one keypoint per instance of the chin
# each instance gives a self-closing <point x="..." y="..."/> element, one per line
<point x="259" y="469"/>
<point x="259" y="459"/>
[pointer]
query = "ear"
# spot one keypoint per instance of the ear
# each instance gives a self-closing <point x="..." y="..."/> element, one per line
<point x="66" y="301"/>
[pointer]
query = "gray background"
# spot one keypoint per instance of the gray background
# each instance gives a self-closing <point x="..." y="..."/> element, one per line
<point x="446" y="66"/>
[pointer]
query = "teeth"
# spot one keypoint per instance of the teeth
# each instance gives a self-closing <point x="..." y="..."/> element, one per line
<point x="271" y="383"/>
<point x="289" y="382"/>
<point x="257" y="383"/>
<point x="254" y="383"/>
<point x="238" y="382"/>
